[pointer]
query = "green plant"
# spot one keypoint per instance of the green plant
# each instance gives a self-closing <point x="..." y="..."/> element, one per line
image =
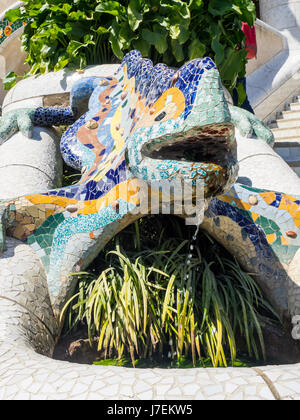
<point x="74" y="34"/>
<point x="154" y="299"/>
<point x="70" y="176"/>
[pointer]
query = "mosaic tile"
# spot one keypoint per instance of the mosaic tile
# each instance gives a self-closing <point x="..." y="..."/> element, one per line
<point x="8" y="28"/>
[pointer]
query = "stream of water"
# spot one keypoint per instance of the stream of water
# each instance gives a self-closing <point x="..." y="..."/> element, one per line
<point x="198" y="222"/>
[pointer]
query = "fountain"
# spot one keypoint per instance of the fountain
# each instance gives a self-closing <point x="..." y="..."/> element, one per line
<point x="140" y="123"/>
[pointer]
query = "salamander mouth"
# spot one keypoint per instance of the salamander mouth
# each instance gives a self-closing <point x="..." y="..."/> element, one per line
<point x="208" y="145"/>
<point x="196" y="149"/>
<point x="205" y="156"/>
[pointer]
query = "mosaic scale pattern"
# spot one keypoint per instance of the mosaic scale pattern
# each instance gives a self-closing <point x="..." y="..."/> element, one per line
<point x="262" y="230"/>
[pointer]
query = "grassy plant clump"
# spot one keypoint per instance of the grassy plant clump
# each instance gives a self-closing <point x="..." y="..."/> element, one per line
<point x="154" y="300"/>
<point x="70" y="176"/>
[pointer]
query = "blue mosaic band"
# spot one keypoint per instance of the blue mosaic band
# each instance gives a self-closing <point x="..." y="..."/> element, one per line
<point x="47" y="117"/>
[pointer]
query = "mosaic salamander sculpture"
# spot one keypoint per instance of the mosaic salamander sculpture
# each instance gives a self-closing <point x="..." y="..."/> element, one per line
<point x="146" y="124"/>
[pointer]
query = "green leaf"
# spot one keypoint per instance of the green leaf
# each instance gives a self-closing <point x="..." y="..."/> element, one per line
<point x="115" y="42"/>
<point x="218" y="48"/>
<point x="241" y="94"/>
<point x="111" y="7"/>
<point x="247" y="11"/>
<point x="78" y="62"/>
<point x="76" y="30"/>
<point x="78" y="15"/>
<point x="135" y="14"/>
<point x="74" y="48"/>
<point x="179" y="7"/>
<point x="65" y="8"/>
<point x="183" y="9"/>
<point x="143" y="46"/>
<point x="150" y="37"/>
<point x="196" y="49"/>
<point x="196" y="5"/>
<point x="48" y="50"/>
<point x="13" y="15"/>
<point x="179" y="32"/>
<point x="126" y="36"/>
<point x="102" y="30"/>
<point x="10" y="80"/>
<point x="177" y="50"/>
<point x="237" y="9"/>
<point x="174" y="31"/>
<point x="232" y="64"/>
<point x="161" y="46"/>
<point x="157" y="39"/>
<point x="62" y="62"/>
<point x="220" y="7"/>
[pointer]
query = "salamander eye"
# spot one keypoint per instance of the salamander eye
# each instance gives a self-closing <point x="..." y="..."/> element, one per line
<point x="161" y="116"/>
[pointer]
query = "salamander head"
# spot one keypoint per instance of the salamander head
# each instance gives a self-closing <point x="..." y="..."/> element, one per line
<point x="182" y="125"/>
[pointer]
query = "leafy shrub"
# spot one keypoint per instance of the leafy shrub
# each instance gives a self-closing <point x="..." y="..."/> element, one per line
<point x="149" y="301"/>
<point x="83" y="32"/>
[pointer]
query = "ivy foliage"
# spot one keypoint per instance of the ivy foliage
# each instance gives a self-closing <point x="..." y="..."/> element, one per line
<point x="75" y="34"/>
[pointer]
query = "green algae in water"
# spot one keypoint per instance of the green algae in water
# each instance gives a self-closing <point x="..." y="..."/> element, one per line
<point x="182" y="363"/>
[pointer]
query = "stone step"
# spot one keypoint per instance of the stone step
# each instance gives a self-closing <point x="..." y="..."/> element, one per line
<point x="283" y="133"/>
<point x="288" y="123"/>
<point x="295" y="106"/>
<point x="287" y="140"/>
<point x="291" y="115"/>
<point x="286" y="130"/>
